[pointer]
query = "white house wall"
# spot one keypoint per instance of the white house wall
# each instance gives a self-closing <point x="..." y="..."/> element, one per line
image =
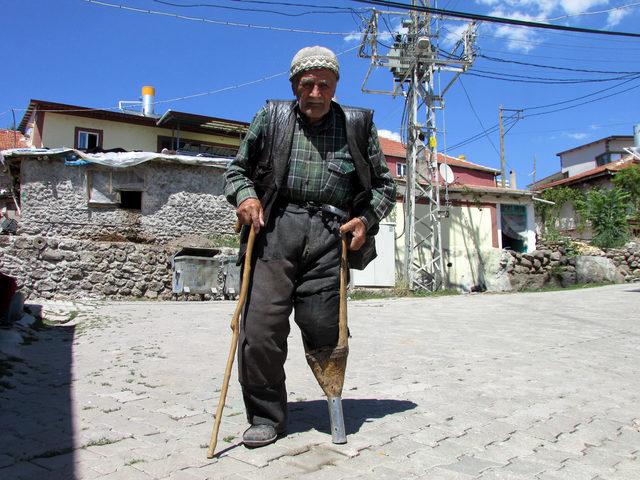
<point x="59" y="131"/>
<point x="583" y="159"/>
<point x="467" y="242"/>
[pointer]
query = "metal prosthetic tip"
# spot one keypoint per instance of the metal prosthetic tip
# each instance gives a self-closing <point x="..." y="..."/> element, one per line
<point x="338" y="433"/>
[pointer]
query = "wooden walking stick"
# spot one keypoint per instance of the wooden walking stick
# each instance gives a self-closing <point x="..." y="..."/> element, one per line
<point x="235" y="328"/>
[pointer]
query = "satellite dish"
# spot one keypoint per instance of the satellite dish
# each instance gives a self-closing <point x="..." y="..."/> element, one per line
<point x="446" y="173"/>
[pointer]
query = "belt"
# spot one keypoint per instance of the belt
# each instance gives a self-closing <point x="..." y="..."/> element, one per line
<point x="313" y="207"/>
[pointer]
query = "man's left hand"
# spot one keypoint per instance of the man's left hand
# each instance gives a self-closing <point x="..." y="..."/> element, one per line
<point x="358" y="232"/>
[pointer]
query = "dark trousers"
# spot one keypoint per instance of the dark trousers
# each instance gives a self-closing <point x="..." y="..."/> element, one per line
<point x="296" y="266"/>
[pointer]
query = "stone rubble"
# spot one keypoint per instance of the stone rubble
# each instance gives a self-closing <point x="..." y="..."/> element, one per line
<point x="556" y="264"/>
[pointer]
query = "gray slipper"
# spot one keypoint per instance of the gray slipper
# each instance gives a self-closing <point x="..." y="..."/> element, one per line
<point x="259" y="436"/>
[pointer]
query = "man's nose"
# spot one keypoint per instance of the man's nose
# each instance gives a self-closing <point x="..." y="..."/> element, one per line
<point x="315" y="91"/>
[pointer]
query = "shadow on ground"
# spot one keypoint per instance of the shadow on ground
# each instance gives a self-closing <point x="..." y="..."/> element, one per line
<point x="314" y="414"/>
<point x="35" y="406"/>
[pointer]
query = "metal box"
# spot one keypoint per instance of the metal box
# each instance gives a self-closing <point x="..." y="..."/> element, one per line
<point x="196" y="270"/>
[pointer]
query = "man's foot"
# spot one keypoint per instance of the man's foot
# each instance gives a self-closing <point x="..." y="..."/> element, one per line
<point x="259" y="436"/>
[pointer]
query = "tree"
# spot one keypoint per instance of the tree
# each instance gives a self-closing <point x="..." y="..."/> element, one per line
<point x="550" y="212"/>
<point x="606" y="211"/>
<point x="628" y="180"/>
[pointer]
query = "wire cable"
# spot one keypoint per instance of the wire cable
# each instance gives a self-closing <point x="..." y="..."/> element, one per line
<point x="553" y="67"/>
<point x="250" y="9"/>
<point x="216" y="22"/>
<point x="493" y="19"/>
<point x="524" y="79"/>
<point x="464" y="89"/>
<point x="620" y="7"/>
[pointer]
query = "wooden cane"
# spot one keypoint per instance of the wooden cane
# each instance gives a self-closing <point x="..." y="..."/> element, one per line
<point x="343" y="330"/>
<point x="235" y="328"/>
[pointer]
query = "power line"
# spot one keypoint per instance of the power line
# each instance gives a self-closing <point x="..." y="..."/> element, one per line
<point x="582" y="96"/>
<point x="541" y="80"/>
<point x="253" y="9"/>
<point x="216" y="22"/>
<point x="620" y="7"/>
<point x="494" y="128"/>
<point x="559" y="45"/>
<point x="583" y="103"/>
<point x="493" y="19"/>
<point x="477" y="116"/>
<point x="569" y="59"/>
<point x="185" y="97"/>
<point x="564" y="129"/>
<point x="553" y="67"/>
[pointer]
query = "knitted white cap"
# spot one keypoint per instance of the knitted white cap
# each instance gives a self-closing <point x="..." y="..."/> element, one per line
<point x="310" y="58"/>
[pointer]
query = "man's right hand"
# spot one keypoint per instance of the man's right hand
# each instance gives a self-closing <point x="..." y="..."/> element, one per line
<point x="249" y="212"/>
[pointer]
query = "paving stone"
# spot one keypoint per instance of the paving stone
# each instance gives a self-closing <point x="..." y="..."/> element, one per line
<point x="439" y="473"/>
<point x="528" y="385"/>
<point x="313" y="459"/>
<point x="470" y="465"/>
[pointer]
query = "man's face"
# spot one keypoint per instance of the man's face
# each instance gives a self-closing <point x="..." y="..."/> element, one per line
<point x="314" y="91"/>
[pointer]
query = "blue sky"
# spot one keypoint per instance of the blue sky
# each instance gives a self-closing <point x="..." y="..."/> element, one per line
<point x="87" y="54"/>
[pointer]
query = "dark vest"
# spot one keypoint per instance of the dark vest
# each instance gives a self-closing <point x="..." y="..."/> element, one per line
<point x="270" y="171"/>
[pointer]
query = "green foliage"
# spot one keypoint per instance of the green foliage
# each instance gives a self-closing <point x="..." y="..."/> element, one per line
<point x="551" y="213"/>
<point x="224" y="240"/>
<point x="628" y="180"/>
<point x="606" y="211"/>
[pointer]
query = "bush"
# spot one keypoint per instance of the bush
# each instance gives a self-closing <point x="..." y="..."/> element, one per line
<point x="606" y="211"/>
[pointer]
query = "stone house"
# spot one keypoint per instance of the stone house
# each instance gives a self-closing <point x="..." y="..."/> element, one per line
<point x="108" y="198"/>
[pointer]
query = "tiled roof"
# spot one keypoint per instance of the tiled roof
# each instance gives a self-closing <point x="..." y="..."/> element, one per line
<point x="594" y="172"/>
<point x="392" y="148"/>
<point x="11" y="139"/>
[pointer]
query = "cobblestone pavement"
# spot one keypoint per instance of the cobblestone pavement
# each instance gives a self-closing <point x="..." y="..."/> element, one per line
<point x="515" y="386"/>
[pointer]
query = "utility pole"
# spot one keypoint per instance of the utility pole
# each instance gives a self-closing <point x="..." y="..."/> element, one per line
<point x="414" y="61"/>
<point x="503" y="166"/>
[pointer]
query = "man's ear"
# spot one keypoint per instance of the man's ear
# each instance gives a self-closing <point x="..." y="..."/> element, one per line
<point x="294" y="85"/>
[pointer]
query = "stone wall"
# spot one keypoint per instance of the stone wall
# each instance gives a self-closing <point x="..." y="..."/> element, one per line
<point x="177" y="200"/>
<point x="564" y="264"/>
<point x="48" y="267"/>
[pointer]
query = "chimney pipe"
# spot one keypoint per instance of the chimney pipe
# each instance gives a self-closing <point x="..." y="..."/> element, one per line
<point x="512" y="180"/>
<point x="636" y="134"/>
<point x="148" y="97"/>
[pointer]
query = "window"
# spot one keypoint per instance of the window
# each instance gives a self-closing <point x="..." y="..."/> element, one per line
<point x="401" y="169"/>
<point x="186" y="146"/>
<point x="131" y="199"/>
<point x="88" y="138"/>
<point x="121" y="188"/>
<point x="608" y="157"/>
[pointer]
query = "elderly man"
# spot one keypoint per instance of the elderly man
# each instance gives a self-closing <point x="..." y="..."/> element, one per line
<point x="306" y="171"/>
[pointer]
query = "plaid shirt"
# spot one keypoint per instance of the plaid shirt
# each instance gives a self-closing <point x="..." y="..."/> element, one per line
<point x="321" y="169"/>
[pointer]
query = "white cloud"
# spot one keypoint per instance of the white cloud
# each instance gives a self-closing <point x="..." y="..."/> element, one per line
<point x="390" y="135"/>
<point x="454" y="34"/>
<point x="542" y="11"/>
<point x="615" y="16"/>
<point x="353" y="37"/>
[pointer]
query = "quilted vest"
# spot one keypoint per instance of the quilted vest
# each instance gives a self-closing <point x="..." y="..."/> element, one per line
<point x="270" y="170"/>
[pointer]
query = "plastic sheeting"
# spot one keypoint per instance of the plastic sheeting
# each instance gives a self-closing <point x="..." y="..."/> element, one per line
<point x="73" y="157"/>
